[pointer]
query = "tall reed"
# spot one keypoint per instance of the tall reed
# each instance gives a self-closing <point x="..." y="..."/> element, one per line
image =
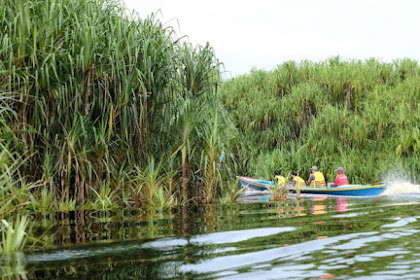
<point x="93" y="91"/>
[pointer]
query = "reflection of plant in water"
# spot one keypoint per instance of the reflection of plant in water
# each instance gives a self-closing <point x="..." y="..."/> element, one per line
<point x="139" y="227"/>
<point x="280" y="193"/>
<point x="299" y="210"/>
<point x="13" y="266"/>
<point x="211" y="218"/>
<point x="281" y="209"/>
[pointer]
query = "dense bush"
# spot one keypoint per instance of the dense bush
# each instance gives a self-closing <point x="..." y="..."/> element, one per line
<point x="95" y="96"/>
<point x="360" y="115"/>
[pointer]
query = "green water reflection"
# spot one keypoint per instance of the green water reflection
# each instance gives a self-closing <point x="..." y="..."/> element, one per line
<point x="309" y="238"/>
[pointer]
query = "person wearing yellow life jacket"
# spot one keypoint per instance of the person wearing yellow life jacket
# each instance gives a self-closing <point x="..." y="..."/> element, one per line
<point x="316" y="179"/>
<point x="279" y="179"/>
<point x="297" y="181"/>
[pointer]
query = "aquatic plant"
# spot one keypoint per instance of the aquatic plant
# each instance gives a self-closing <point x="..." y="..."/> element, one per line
<point x="230" y="192"/>
<point x="44" y="202"/>
<point x="147" y="185"/>
<point x="64" y="205"/>
<point x="105" y="198"/>
<point x="13" y="234"/>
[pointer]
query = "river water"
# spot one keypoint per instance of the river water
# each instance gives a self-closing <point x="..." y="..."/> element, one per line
<point x="317" y="237"/>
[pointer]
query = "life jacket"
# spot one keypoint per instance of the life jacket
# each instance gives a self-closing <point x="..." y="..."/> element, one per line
<point x="319" y="180"/>
<point x="299" y="182"/>
<point x="280" y="181"/>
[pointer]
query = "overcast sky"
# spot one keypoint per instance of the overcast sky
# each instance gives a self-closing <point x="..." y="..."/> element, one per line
<point x="265" y="33"/>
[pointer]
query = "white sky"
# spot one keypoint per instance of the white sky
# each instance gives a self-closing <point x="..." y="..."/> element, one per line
<point x="265" y="33"/>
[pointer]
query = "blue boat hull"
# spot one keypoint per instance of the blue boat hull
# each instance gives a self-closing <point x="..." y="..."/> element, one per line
<point x="348" y="190"/>
<point x="255" y="184"/>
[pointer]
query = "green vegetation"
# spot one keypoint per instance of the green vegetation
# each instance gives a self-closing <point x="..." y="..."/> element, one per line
<point x="362" y="115"/>
<point x="101" y="109"/>
<point x="13" y="235"/>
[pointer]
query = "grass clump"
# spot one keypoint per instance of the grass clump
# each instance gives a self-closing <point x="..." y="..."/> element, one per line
<point x="13" y="235"/>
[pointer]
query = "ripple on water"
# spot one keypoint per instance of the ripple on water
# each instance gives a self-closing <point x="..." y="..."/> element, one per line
<point x="349" y="215"/>
<point x="279" y="272"/>
<point x="224" y="237"/>
<point x="358" y="243"/>
<point x="162" y="244"/>
<point x="373" y="239"/>
<point x="402" y="222"/>
<point x="256" y="258"/>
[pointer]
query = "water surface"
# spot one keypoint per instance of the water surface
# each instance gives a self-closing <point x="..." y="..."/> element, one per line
<point x="318" y="237"/>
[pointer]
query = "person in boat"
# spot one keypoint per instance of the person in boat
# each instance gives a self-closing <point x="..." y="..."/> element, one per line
<point x="297" y="181"/>
<point x="341" y="178"/>
<point x="316" y="179"/>
<point x="279" y="179"/>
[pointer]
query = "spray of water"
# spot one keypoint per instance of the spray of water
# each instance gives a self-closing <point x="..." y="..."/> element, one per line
<point x="398" y="183"/>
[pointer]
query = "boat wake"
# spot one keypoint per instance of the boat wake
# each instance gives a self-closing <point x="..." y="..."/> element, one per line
<point x="401" y="187"/>
<point x="399" y="184"/>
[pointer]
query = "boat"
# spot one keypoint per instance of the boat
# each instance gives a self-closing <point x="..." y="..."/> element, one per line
<point x="258" y="185"/>
<point x="252" y="184"/>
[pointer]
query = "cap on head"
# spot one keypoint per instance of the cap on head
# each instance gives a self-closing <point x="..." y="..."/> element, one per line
<point x="340" y="169"/>
<point x="314" y="168"/>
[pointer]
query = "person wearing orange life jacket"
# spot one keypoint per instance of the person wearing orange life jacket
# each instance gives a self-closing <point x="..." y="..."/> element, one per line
<point x="316" y="179"/>
<point x="341" y="178"/>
